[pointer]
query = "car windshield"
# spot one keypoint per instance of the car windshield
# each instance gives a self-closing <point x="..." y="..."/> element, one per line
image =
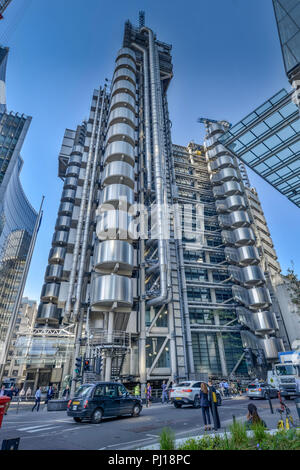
<point x="84" y="390"/>
<point x="286" y="370"/>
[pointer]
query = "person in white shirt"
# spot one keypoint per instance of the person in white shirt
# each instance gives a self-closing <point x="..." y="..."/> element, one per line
<point x="38" y="395"/>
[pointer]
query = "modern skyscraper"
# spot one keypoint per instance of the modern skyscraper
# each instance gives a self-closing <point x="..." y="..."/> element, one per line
<point x="18" y="220"/>
<point x="287" y="13"/>
<point x="154" y="256"/>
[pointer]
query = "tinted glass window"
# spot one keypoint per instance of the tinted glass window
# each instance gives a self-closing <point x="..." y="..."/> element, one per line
<point x="184" y="384"/>
<point x="84" y="390"/>
<point x="121" y="390"/>
<point x="197" y="385"/>
<point x="110" y="391"/>
<point x="99" y="392"/>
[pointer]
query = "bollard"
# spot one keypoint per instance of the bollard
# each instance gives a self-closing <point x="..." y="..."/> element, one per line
<point x="233" y="419"/>
<point x="270" y="403"/>
<point x="297" y="403"/>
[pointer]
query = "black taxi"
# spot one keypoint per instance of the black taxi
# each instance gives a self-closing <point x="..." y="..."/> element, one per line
<point x="102" y="399"/>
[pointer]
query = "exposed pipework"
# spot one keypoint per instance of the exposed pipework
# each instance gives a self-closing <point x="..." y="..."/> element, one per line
<point x="146" y="115"/>
<point x="88" y="214"/>
<point x="158" y="174"/>
<point x="68" y="306"/>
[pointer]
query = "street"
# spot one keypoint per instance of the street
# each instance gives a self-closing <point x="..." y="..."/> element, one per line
<point x="45" y="430"/>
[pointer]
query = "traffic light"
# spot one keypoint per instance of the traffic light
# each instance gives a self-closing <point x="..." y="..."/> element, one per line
<point x="78" y="364"/>
<point x="99" y="365"/>
<point x="86" y="366"/>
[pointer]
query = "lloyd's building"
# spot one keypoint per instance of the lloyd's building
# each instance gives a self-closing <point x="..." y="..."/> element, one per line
<point x="157" y="259"/>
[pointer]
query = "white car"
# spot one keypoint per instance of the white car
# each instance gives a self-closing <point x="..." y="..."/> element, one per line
<point x="188" y="393"/>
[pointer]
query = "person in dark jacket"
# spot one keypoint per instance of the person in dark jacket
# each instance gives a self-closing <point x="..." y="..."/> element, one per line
<point x="204" y="403"/>
<point x="50" y="394"/>
<point x="213" y="402"/>
<point x="66" y="392"/>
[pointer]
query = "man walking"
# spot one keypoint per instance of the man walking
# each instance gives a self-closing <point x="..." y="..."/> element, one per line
<point x="165" y="397"/>
<point x="38" y="395"/>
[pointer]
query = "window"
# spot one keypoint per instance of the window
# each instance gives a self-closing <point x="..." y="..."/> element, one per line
<point x="99" y="392"/>
<point x="121" y="391"/>
<point x="197" y="385"/>
<point x="110" y="391"/>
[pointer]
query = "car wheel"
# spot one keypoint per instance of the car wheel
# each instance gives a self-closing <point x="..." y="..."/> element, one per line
<point x="97" y="416"/>
<point x="136" y="411"/>
<point x="77" y="420"/>
<point x="196" y="402"/>
<point x="177" y="405"/>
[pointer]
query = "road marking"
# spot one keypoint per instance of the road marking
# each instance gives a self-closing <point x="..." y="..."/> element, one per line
<point x="41" y="426"/>
<point x="42" y="429"/>
<point x="152" y="435"/>
<point x="123" y="443"/>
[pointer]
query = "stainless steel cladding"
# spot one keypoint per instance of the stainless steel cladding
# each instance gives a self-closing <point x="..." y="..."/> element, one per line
<point x="113" y="256"/>
<point x="63" y="223"/>
<point x="218" y="151"/>
<point x="126" y="62"/>
<point x="117" y="151"/>
<point x="231" y="188"/>
<point x="271" y="347"/>
<point x="264" y="322"/>
<point x="53" y="272"/>
<point x="70" y="183"/>
<point x="235" y="220"/>
<point x="57" y="255"/>
<point x="259" y="297"/>
<point x="48" y="313"/>
<point x="111" y="291"/>
<point x="60" y="238"/>
<point x="65" y="208"/>
<point x="124" y="73"/>
<point x="75" y="159"/>
<point x="118" y="172"/>
<point x="114" y="224"/>
<point x="123" y="86"/>
<point x="122" y="114"/>
<point x="121" y="132"/>
<point x="225" y="161"/>
<point x="248" y="276"/>
<point x="68" y="195"/>
<point x="122" y="99"/>
<point x="50" y="292"/>
<point x="73" y="170"/>
<point x="239" y="237"/>
<point x="116" y="194"/>
<point x="227" y="174"/>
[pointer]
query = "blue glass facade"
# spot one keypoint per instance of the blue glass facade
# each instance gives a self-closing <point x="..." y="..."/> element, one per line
<point x="268" y="141"/>
<point x="287" y="13"/>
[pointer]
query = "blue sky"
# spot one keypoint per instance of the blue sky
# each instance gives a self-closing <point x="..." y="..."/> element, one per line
<point x="227" y="61"/>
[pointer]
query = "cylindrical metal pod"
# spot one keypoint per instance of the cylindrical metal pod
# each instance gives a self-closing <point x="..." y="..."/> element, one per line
<point x="60" y="238"/>
<point x="111" y="290"/>
<point x="113" y="256"/>
<point x="50" y="292"/>
<point x="119" y="151"/>
<point x="63" y="223"/>
<point x="48" y="313"/>
<point x="65" y="208"/>
<point x="54" y="272"/>
<point x="118" y="173"/>
<point x="68" y="195"/>
<point x="57" y="255"/>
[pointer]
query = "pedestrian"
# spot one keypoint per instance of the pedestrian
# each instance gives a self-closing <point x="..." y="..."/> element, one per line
<point x="137" y="391"/>
<point x="22" y="393"/>
<point x="165" y="397"/>
<point x="2" y="391"/>
<point x="204" y="404"/>
<point x="213" y="403"/>
<point x="226" y="388"/>
<point x="221" y="388"/>
<point x="38" y="395"/>
<point x="66" y="392"/>
<point x="28" y="393"/>
<point x="239" y="388"/>
<point x="148" y="395"/>
<point x="253" y="417"/>
<point x="50" y="394"/>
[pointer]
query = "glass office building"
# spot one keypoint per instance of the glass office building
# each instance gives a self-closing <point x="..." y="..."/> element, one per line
<point x="287" y="13"/>
<point x="268" y="141"/>
<point x="17" y="216"/>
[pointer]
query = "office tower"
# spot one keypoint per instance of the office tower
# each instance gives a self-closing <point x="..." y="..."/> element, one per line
<point x="287" y="14"/>
<point x="15" y="366"/>
<point x="138" y="262"/>
<point x="18" y="220"/>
